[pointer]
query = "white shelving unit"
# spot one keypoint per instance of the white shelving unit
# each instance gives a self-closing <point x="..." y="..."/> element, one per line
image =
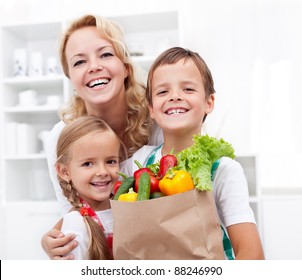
<point x="25" y="188"/>
<point x="27" y="196"/>
<point x="250" y="167"/>
<point x="148" y="35"/>
<point x="25" y="176"/>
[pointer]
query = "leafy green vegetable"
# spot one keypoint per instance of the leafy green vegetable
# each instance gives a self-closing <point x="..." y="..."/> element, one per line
<point x="154" y="167"/>
<point x="198" y="159"/>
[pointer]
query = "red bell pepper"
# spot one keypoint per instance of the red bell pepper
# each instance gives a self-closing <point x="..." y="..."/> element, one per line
<point x="141" y="170"/>
<point x="166" y="162"/>
<point x="153" y="180"/>
<point x="116" y="186"/>
<point x="118" y="183"/>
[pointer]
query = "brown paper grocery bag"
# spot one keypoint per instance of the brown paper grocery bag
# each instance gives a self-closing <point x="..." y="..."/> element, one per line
<point x="182" y="226"/>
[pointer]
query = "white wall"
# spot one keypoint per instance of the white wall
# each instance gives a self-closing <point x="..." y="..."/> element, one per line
<point x="282" y="228"/>
<point x="42" y="10"/>
<point x="254" y="51"/>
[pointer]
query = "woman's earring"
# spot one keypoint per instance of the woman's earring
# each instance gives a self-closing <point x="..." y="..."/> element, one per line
<point x="68" y="186"/>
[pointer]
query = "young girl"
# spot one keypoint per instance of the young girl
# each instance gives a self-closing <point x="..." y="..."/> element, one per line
<point x="180" y="92"/>
<point x="88" y="156"/>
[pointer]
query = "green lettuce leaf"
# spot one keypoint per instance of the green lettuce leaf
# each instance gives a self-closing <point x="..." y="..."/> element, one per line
<point x="198" y="159"/>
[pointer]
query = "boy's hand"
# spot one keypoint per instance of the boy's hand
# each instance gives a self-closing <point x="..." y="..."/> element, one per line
<point x="56" y="245"/>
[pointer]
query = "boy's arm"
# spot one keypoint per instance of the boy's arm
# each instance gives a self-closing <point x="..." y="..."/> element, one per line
<point x="56" y="244"/>
<point x="246" y="241"/>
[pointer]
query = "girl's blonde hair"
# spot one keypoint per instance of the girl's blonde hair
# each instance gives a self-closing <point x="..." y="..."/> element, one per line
<point x="138" y="122"/>
<point x="75" y="130"/>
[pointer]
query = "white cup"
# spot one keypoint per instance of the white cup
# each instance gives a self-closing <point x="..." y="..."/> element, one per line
<point x="26" y="139"/>
<point x="136" y="48"/>
<point x="43" y="135"/>
<point x="36" y="64"/>
<point x="28" y="98"/>
<point x="20" y="62"/>
<point x="53" y="100"/>
<point x="52" y="66"/>
<point x="40" y="185"/>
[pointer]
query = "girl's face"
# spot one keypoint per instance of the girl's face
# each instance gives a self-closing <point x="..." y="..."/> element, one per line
<point x="93" y="167"/>
<point x="179" y="99"/>
<point x="95" y="71"/>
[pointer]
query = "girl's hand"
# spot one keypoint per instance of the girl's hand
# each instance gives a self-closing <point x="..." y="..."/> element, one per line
<point x="58" y="246"/>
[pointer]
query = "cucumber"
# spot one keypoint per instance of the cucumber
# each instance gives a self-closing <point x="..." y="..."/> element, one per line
<point x="144" y="185"/>
<point x="156" y="195"/>
<point x="125" y="186"/>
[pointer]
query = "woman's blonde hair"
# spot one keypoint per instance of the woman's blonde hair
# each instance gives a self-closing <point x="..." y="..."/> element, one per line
<point x="138" y="122"/>
<point x="75" y="130"/>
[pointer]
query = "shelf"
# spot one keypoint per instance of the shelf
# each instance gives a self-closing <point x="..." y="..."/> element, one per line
<point x="144" y="61"/>
<point x="28" y="179"/>
<point x="248" y="163"/>
<point x="146" y="22"/>
<point x="35" y="31"/>
<point x="26" y="157"/>
<point x="36" y="206"/>
<point x="144" y="58"/>
<point x="281" y="192"/>
<point x="34" y="81"/>
<point x="31" y="109"/>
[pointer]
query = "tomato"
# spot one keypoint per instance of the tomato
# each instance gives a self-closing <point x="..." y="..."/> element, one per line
<point x="154" y="184"/>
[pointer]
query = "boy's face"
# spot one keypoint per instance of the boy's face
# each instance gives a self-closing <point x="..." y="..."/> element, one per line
<point x="179" y="98"/>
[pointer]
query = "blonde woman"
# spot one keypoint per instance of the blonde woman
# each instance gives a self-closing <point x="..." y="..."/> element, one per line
<point x="96" y="60"/>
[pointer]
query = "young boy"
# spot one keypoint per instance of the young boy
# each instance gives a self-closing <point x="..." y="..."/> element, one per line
<point x="180" y="92"/>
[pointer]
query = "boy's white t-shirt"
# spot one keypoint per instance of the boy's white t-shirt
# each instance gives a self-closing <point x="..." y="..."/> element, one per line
<point x="230" y="188"/>
<point x="73" y="222"/>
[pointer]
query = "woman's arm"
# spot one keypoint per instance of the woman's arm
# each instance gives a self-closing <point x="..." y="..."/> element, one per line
<point x="56" y="244"/>
<point x="246" y="241"/>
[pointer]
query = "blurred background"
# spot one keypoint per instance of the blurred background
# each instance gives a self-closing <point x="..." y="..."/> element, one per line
<point x="254" y="50"/>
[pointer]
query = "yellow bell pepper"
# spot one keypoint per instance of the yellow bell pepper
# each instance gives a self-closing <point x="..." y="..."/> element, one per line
<point x="176" y="181"/>
<point x="130" y="196"/>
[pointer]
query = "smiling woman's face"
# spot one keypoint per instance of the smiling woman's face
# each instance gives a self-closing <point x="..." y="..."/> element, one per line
<point x="97" y="74"/>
